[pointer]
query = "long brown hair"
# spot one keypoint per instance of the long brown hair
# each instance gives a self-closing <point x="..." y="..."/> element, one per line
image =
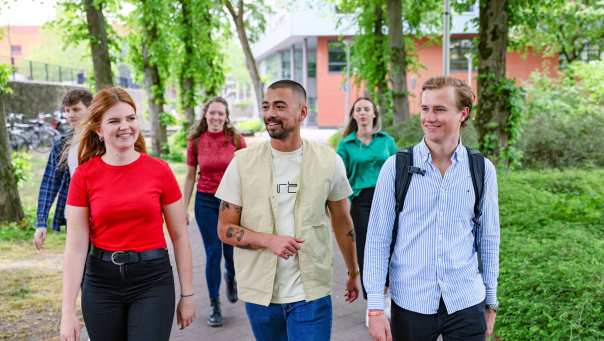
<point x="90" y="142"/>
<point x="202" y="126"/>
<point x="352" y="123"/>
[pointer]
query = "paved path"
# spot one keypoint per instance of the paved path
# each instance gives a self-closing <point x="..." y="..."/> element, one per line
<point x="349" y="319"/>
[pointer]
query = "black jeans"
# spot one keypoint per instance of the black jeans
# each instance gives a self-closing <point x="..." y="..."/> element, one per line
<point x="359" y="211"/>
<point x="135" y="303"/>
<point x="464" y="325"/>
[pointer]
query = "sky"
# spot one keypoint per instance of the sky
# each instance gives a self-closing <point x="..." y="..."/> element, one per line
<point x="27" y="12"/>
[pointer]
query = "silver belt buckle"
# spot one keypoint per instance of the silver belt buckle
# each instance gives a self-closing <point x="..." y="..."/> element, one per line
<point x="113" y="258"/>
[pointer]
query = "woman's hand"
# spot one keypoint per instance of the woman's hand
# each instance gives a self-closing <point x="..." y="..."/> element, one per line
<point x="70" y="327"/>
<point x="185" y="313"/>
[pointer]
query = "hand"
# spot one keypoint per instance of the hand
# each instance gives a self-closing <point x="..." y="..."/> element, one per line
<point x="185" y="312"/>
<point x="70" y="327"/>
<point x="284" y="246"/>
<point x="489" y="316"/>
<point x="39" y="237"/>
<point x="352" y="288"/>
<point x="379" y="328"/>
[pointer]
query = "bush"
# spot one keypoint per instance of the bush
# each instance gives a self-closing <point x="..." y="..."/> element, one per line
<point x="24" y="230"/>
<point x="565" y="119"/>
<point x="21" y="162"/>
<point x="335" y="139"/>
<point x="552" y="255"/>
<point x="250" y="126"/>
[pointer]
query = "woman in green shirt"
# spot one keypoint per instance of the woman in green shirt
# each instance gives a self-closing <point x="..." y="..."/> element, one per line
<point x="364" y="149"/>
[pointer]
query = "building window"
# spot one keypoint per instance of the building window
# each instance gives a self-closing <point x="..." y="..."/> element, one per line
<point x="15" y="50"/>
<point x="285" y="65"/>
<point x="459" y="48"/>
<point x="312" y="64"/>
<point x="336" y="56"/>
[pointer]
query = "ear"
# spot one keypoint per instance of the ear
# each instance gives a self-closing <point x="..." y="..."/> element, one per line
<point x="303" y="112"/>
<point x="464" y="114"/>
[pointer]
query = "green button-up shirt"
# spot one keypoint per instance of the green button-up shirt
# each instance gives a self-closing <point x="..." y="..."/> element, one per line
<point x="364" y="161"/>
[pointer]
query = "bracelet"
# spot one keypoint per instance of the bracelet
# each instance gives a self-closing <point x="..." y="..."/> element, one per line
<point x="354" y="273"/>
<point x="375" y="313"/>
<point x="182" y="296"/>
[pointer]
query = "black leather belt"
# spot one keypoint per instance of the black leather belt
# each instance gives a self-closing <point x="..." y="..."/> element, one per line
<point x="126" y="257"/>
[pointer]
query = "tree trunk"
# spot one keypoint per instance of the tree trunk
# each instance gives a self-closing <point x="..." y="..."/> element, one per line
<point x="493" y="106"/>
<point x="250" y="62"/>
<point x="156" y="102"/>
<point x="99" y="44"/>
<point x="187" y="82"/>
<point x="10" y="203"/>
<point x="382" y="86"/>
<point x="398" y="63"/>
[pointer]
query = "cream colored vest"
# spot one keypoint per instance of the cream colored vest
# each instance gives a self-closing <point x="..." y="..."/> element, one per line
<point x="255" y="269"/>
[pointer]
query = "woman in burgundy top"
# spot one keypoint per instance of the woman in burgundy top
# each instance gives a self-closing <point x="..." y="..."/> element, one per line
<point x="212" y="145"/>
<point x="118" y="200"/>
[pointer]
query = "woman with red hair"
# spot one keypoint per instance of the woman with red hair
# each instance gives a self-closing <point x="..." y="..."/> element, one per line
<point x="118" y="200"/>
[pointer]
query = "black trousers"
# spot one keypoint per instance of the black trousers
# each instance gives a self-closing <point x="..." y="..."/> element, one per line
<point x="134" y="303"/>
<point x="359" y="211"/>
<point x="464" y="325"/>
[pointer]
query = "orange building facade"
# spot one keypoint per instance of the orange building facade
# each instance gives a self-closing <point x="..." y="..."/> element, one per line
<point x="323" y="58"/>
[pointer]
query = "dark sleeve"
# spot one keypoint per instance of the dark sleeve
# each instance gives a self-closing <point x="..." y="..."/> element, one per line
<point x="49" y="187"/>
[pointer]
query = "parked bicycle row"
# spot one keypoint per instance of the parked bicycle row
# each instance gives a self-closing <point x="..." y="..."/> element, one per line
<point x="37" y="134"/>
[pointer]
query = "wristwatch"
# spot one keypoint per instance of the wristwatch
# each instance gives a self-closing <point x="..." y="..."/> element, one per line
<point x="354" y="273"/>
<point x="493" y="307"/>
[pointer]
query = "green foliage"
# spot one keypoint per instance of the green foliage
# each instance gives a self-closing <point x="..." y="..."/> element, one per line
<point x="552" y="252"/>
<point x="335" y="139"/>
<point x="200" y="59"/>
<point x="21" y="166"/>
<point x="409" y="133"/>
<point x="167" y="119"/>
<point x="250" y="126"/>
<point x="498" y="136"/>
<point x="5" y="74"/>
<point x="23" y="230"/>
<point x="565" y="119"/>
<point x="370" y="50"/>
<point x="71" y="22"/>
<point x="559" y="26"/>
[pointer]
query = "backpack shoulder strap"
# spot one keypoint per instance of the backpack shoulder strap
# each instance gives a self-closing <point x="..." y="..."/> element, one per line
<point x="477" y="170"/>
<point x="402" y="180"/>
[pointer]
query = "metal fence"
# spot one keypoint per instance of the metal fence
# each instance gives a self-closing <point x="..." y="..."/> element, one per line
<point x="29" y="70"/>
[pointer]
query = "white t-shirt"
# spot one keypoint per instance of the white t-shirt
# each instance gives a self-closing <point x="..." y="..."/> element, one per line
<point x="286" y="171"/>
<point x="72" y="158"/>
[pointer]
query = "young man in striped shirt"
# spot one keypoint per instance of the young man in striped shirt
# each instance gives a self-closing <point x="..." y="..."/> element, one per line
<point x="434" y="279"/>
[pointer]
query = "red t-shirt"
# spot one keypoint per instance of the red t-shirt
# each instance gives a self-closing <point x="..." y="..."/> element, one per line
<point x="125" y="202"/>
<point x="214" y="153"/>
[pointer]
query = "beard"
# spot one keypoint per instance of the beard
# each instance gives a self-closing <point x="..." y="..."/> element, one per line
<point x="278" y="132"/>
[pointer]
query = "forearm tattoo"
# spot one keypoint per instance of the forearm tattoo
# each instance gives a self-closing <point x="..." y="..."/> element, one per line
<point x="351" y="234"/>
<point x="237" y="233"/>
<point x="227" y="206"/>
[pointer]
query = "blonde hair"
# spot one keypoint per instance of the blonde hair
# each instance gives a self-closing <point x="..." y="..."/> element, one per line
<point x="90" y="143"/>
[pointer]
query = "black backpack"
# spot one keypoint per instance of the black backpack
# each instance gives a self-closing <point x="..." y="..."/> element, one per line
<point x="404" y="173"/>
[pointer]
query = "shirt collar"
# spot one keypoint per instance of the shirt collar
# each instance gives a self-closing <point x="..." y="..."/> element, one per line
<point x="426" y="156"/>
<point x="353" y="136"/>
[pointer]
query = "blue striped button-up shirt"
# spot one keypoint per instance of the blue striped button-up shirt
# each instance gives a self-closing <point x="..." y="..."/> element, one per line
<point x="434" y="255"/>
